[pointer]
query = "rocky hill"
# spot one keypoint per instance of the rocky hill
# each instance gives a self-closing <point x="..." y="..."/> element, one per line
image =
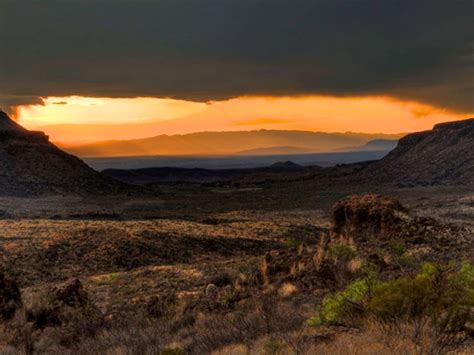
<point x="30" y="165"/>
<point x="442" y="156"/>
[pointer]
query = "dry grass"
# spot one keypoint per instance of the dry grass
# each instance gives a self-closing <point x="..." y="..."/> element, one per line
<point x="130" y="267"/>
<point x="195" y="333"/>
<point x="38" y="251"/>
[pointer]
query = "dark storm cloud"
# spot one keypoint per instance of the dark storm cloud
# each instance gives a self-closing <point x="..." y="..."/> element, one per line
<point x="216" y="49"/>
<point x="10" y="104"/>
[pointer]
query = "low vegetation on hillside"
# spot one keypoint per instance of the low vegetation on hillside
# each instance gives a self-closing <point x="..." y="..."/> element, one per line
<point x="376" y="281"/>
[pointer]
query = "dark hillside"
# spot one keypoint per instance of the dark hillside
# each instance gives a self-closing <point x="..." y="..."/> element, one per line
<point x="31" y="165"/>
<point x="442" y="156"/>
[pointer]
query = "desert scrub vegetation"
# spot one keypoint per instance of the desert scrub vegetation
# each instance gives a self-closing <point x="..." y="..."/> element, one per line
<point x="338" y="258"/>
<point x="433" y="307"/>
<point x="62" y="319"/>
<point x="64" y="312"/>
<point x="264" y="317"/>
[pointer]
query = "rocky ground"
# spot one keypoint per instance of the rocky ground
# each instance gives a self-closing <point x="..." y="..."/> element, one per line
<point x="207" y="255"/>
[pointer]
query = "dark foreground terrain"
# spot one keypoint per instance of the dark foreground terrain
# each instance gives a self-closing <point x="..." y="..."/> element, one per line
<point x="228" y="269"/>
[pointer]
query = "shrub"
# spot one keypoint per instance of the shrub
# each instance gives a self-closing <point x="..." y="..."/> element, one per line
<point x="10" y="297"/>
<point x="273" y="347"/>
<point x="437" y="303"/>
<point x="396" y="248"/>
<point x="342" y="252"/>
<point x="343" y="307"/>
<point x="172" y="351"/>
<point x="263" y="317"/>
<point x="340" y="258"/>
<point x="292" y="242"/>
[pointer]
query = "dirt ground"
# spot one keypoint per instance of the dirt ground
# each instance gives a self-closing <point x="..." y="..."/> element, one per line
<point x="127" y="250"/>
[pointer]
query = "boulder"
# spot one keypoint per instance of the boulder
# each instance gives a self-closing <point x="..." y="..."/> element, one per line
<point x="70" y="293"/>
<point x="10" y="297"/>
<point x="361" y="217"/>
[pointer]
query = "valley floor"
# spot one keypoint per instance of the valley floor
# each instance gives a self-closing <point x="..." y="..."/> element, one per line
<point x="130" y="253"/>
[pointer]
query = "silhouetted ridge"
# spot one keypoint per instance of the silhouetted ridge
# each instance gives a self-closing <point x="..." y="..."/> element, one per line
<point x="465" y="124"/>
<point x="442" y="156"/>
<point x="30" y="165"/>
<point x="7" y="124"/>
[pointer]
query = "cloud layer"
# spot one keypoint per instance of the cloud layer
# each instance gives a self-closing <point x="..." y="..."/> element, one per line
<point x="217" y="49"/>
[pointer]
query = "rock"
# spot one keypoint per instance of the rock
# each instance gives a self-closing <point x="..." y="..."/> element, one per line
<point x="221" y="280"/>
<point x="211" y="291"/>
<point x="70" y="293"/>
<point x="371" y="221"/>
<point x="367" y="216"/>
<point x="10" y="297"/>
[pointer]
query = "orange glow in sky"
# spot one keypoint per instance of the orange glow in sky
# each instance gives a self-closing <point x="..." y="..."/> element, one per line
<point x="80" y="119"/>
<point x="90" y="110"/>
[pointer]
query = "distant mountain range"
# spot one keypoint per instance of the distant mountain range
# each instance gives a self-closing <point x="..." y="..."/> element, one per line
<point x="374" y="145"/>
<point x="274" y="151"/>
<point x="261" y="142"/>
<point x="442" y="156"/>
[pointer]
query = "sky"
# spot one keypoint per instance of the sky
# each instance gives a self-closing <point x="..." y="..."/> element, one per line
<point x="77" y="120"/>
<point x="171" y="66"/>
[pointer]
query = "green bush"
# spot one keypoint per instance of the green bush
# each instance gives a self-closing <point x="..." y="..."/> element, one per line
<point x="345" y="305"/>
<point x="396" y="248"/>
<point x="342" y="252"/>
<point x="439" y="295"/>
<point x="273" y="347"/>
<point x="292" y="242"/>
<point x="438" y="300"/>
<point x="338" y="260"/>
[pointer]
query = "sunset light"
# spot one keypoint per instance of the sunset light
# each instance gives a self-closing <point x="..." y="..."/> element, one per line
<point x="91" y="110"/>
<point x="83" y="119"/>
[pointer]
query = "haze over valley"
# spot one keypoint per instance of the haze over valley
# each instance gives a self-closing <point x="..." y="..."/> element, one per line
<point x="262" y="142"/>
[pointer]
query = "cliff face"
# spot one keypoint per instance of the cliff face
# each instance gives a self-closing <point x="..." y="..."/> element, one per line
<point x="442" y="156"/>
<point x="30" y="164"/>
